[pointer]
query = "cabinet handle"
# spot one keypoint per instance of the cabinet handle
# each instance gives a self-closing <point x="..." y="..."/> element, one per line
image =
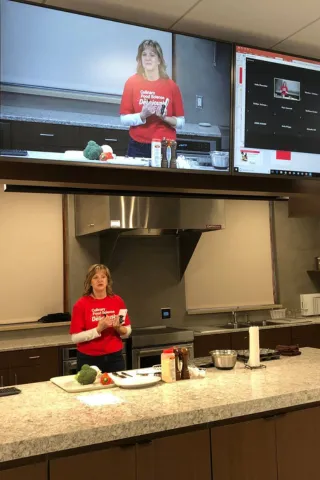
<point x="110" y="139"/>
<point x="15" y="379"/>
<point x="90" y="224"/>
<point x="46" y="134"/>
<point x="34" y="358"/>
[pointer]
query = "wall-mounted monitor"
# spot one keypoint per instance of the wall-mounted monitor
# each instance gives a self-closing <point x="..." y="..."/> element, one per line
<point x="137" y="84"/>
<point x="277" y="114"/>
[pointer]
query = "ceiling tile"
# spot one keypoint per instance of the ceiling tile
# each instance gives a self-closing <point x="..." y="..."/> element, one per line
<point x="306" y="42"/>
<point x="150" y="12"/>
<point x="249" y="21"/>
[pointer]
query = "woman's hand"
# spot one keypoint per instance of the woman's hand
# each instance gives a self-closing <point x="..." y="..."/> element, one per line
<point x="148" y="109"/>
<point x="104" y="323"/>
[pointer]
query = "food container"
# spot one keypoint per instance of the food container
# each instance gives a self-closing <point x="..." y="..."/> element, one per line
<point x="224" y="359"/>
<point x="278" y="313"/>
<point x="220" y="160"/>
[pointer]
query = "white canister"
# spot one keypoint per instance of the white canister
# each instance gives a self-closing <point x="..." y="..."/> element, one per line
<point x="156" y="152"/>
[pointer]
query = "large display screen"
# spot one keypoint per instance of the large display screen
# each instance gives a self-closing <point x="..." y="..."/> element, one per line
<point x="162" y="98"/>
<point x="277" y="114"/>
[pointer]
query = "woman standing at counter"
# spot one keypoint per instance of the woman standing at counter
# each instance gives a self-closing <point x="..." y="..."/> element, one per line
<point x="95" y="325"/>
<point x="151" y="103"/>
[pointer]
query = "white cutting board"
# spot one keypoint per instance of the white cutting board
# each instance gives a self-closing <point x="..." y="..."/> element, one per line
<point x="70" y="385"/>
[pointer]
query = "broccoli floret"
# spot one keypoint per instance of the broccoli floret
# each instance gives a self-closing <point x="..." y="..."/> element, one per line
<point x="86" y="375"/>
<point x="85" y="366"/>
<point x="92" y="150"/>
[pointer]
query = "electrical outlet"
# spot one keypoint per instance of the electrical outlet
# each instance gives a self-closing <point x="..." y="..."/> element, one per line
<point x="166" y="313"/>
<point x="199" y="101"/>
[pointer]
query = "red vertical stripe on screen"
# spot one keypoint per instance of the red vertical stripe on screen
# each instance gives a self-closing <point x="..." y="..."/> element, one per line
<point x="240" y="74"/>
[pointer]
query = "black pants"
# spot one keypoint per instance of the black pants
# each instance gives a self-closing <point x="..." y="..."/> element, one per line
<point x="113" y="362"/>
<point x="137" y="149"/>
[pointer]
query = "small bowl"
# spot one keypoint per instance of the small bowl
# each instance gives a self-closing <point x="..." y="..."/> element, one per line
<point x="224" y="359"/>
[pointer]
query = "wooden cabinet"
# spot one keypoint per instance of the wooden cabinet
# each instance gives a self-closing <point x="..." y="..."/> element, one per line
<point x="298" y="436"/>
<point x="185" y="455"/>
<point x="306" y="336"/>
<point x="52" y="137"/>
<point x="4" y="377"/>
<point x="111" y="463"/>
<point x="116" y="138"/>
<point x="244" y="451"/>
<point x="271" y="337"/>
<point x="34" y="471"/>
<point x="203" y="344"/>
<point x="44" y="136"/>
<point x="240" y="340"/>
<point x="29" y="365"/>
<point x="5" y="135"/>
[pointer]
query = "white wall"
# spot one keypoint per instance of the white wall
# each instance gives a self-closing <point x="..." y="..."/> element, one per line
<point x="49" y="48"/>
<point x="233" y="267"/>
<point x="31" y="256"/>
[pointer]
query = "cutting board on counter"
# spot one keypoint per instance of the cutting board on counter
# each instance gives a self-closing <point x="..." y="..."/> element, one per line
<point x="70" y="385"/>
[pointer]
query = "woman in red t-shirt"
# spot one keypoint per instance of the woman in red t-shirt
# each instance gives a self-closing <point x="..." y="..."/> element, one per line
<point x="95" y="324"/>
<point x="151" y="103"/>
<point x="284" y="89"/>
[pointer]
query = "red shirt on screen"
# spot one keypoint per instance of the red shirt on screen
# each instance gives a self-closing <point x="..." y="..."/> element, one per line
<point x="137" y="91"/>
<point x="284" y="90"/>
<point x="86" y="314"/>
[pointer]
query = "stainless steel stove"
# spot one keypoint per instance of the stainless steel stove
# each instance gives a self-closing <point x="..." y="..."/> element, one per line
<point x="146" y="344"/>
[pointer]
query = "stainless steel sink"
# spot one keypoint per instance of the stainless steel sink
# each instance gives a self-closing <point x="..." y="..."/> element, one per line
<point x="262" y="323"/>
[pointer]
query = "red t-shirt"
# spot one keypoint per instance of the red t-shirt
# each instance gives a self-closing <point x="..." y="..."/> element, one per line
<point x="284" y="90"/>
<point x="86" y="314"/>
<point x="137" y="91"/>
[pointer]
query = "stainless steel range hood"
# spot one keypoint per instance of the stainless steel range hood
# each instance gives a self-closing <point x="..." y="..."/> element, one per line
<point x="113" y="216"/>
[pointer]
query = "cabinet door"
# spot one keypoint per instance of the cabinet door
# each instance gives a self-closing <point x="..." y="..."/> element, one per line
<point x="203" y="344"/>
<point x="34" y="471"/>
<point x="185" y="455"/>
<point x="4" y="377"/>
<point x="46" y="137"/>
<point x="244" y="451"/>
<point x="298" y="436"/>
<point x="116" y="138"/>
<point x="34" y="365"/>
<point x="306" y="336"/>
<point x="5" y="135"/>
<point x="116" y="463"/>
<point x="240" y="340"/>
<point x="272" y="337"/>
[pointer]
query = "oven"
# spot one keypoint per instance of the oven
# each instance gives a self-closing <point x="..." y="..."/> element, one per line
<point x="197" y="151"/>
<point x="146" y="344"/>
<point x="69" y="359"/>
<point x="147" y="357"/>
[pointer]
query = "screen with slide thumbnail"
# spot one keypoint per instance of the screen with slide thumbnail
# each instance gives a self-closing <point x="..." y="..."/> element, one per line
<point x="277" y="114"/>
<point x="157" y="95"/>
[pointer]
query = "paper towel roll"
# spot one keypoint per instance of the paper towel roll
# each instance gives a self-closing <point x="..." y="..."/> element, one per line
<point x="254" y="347"/>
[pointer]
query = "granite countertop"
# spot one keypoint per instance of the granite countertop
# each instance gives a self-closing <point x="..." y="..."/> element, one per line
<point x="44" y="418"/>
<point x="16" y="338"/>
<point x="26" y="114"/>
<point x="40" y="340"/>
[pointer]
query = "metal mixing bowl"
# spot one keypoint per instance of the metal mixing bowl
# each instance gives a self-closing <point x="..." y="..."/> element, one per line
<point x="224" y="359"/>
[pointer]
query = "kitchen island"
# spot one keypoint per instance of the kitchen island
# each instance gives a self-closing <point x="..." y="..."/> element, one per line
<point x="44" y="419"/>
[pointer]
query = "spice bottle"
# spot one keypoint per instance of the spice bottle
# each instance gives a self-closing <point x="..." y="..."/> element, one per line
<point x="168" y="366"/>
<point x="185" y="375"/>
<point x="177" y="363"/>
<point x="173" y="162"/>
<point x="164" y="159"/>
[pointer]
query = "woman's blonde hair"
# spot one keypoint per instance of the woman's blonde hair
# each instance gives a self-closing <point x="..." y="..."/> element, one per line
<point x="97" y="267"/>
<point x="158" y="50"/>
